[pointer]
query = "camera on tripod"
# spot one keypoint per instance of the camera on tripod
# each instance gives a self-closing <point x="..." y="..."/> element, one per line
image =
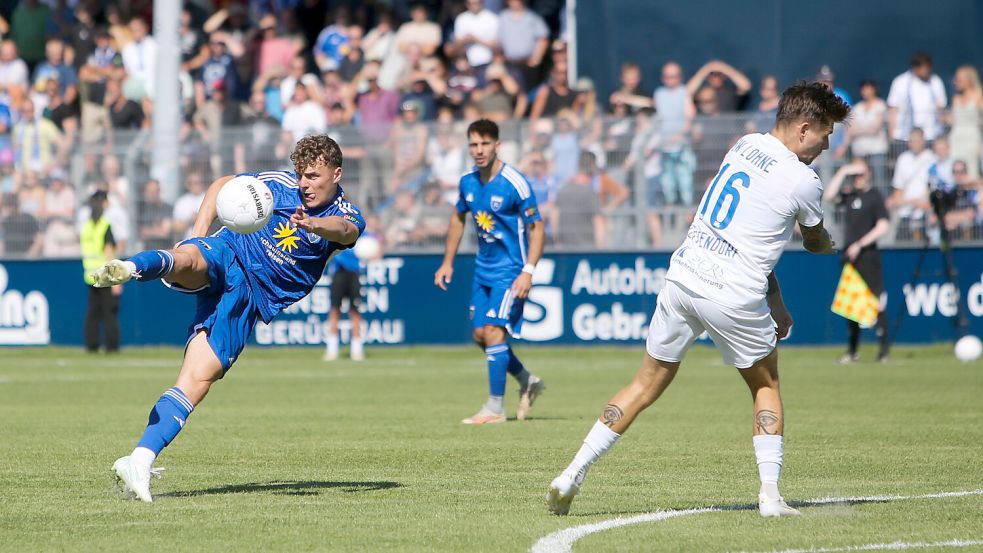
<point x="943" y="196"/>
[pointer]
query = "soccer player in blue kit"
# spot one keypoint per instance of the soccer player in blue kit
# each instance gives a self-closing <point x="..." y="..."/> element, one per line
<point x="510" y="243"/>
<point x="238" y="278"/>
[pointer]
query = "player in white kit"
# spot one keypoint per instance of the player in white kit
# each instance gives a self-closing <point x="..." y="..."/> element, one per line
<point x="721" y="280"/>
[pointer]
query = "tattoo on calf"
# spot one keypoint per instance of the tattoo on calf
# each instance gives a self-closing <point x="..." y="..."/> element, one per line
<point x="611" y="415"/>
<point x="766" y="421"/>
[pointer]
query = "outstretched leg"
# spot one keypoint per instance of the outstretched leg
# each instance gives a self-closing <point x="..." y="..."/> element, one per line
<point x="767" y="433"/>
<point x="183" y="265"/>
<point x="168" y="416"/>
<point x="652" y="378"/>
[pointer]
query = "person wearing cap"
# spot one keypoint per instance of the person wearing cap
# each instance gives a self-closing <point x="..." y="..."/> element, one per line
<point x="730" y="85"/>
<point x="585" y="103"/>
<point x="98" y="247"/>
<point x="217" y="66"/>
<point x="825" y="77"/>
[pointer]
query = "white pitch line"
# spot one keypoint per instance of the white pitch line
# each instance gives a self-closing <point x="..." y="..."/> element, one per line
<point x="562" y="541"/>
<point x="894" y="546"/>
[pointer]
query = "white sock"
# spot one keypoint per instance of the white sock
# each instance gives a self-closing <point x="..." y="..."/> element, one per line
<point x="356" y="346"/>
<point x="495" y="404"/>
<point x="768" y="451"/>
<point x="143" y="456"/>
<point x="332" y="342"/>
<point x="598" y="440"/>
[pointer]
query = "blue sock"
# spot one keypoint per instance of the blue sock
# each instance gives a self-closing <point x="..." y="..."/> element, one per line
<point x="167" y="418"/>
<point x="152" y="264"/>
<point x="517" y="369"/>
<point x="498" y="362"/>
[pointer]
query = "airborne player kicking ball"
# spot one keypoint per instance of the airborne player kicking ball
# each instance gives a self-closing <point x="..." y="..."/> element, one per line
<point x="505" y="214"/>
<point x="721" y="280"/>
<point x="238" y="278"/>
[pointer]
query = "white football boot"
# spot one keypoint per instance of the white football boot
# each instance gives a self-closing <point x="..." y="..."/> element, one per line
<point x="775" y="507"/>
<point x="134" y="480"/>
<point x="112" y="273"/>
<point x="562" y="491"/>
<point x="528" y="395"/>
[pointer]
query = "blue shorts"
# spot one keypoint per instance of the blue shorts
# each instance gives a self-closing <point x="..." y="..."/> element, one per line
<point x="225" y="308"/>
<point x="496" y="306"/>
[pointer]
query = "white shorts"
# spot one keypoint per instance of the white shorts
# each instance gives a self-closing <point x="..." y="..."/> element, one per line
<point x="743" y="336"/>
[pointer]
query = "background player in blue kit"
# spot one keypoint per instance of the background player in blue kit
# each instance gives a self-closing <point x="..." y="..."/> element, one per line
<point x="344" y="270"/>
<point x="238" y="278"/>
<point x="510" y="243"/>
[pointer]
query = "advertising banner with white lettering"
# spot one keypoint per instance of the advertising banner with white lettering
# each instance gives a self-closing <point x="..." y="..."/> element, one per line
<point x="576" y="299"/>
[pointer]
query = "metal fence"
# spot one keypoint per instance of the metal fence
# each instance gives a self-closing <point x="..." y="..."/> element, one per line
<point x="613" y="183"/>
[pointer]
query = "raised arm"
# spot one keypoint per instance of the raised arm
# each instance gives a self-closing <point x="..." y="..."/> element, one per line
<point x="206" y="212"/>
<point x="340" y="229"/>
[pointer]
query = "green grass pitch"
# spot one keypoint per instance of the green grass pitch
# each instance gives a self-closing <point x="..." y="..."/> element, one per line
<point x="293" y="454"/>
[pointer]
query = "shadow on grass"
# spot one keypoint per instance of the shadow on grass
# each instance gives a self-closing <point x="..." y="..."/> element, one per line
<point x="288" y="488"/>
<point x="740" y="507"/>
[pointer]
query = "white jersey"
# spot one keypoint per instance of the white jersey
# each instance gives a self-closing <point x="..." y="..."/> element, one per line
<point x="744" y="221"/>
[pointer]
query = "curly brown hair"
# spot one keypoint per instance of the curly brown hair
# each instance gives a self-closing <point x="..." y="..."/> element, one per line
<point x="313" y="150"/>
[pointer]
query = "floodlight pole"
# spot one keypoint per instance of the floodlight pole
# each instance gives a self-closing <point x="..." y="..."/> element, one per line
<point x="167" y="99"/>
<point x="571" y="9"/>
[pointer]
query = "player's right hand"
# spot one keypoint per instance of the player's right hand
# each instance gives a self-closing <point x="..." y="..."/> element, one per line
<point x="443" y="276"/>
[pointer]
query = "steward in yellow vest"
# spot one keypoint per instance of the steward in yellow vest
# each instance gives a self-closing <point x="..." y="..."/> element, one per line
<point x="98" y="247"/>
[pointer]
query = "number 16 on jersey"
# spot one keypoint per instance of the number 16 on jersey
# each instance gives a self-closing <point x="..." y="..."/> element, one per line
<point x="726" y="201"/>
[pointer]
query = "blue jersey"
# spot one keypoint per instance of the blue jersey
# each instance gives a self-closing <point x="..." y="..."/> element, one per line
<point x="344" y="260"/>
<point x="501" y="210"/>
<point x="281" y="261"/>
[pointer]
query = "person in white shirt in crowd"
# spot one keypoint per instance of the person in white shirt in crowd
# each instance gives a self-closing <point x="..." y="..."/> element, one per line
<point x="476" y="33"/>
<point x="298" y="74"/>
<point x="910" y="196"/>
<point x="866" y="136"/>
<point x="14" y="79"/>
<point x="140" y="55"/>
<point x="304" y="116"/>
<point x="187" y="204"/>
<point x="916" y="100"/>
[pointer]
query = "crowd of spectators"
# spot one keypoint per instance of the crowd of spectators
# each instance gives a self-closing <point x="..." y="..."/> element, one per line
<point x="395" y="83"/>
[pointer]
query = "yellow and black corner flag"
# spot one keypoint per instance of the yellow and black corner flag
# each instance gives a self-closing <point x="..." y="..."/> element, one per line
<point x="853" y="298"/>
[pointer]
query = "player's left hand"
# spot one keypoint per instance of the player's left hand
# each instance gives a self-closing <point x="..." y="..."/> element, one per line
<point x="300" y="219"/>
<point x="853" y="251"/>
<point x="782" y="318"/>
<point x="521" y="285"/>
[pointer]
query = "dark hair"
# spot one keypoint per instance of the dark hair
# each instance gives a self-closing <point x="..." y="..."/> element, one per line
<point x="811" y="102"/>
<point x="587" y="161"/>
<point x="870" y="82"/>
<point x="97" y="204"/>
<point x="315" y="149"/>
<point x="921" y="59"/>
<point x="484" y="127"/>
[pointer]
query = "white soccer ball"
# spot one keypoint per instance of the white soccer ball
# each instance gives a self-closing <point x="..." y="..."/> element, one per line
<point x="367" y="248"/>
<point x="244" y="204"/>
<point x="968" y="348"/>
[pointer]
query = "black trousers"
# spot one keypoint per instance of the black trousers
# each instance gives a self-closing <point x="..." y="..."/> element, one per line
<point x="868" y="264"/>
<point x="102" y="316"/>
